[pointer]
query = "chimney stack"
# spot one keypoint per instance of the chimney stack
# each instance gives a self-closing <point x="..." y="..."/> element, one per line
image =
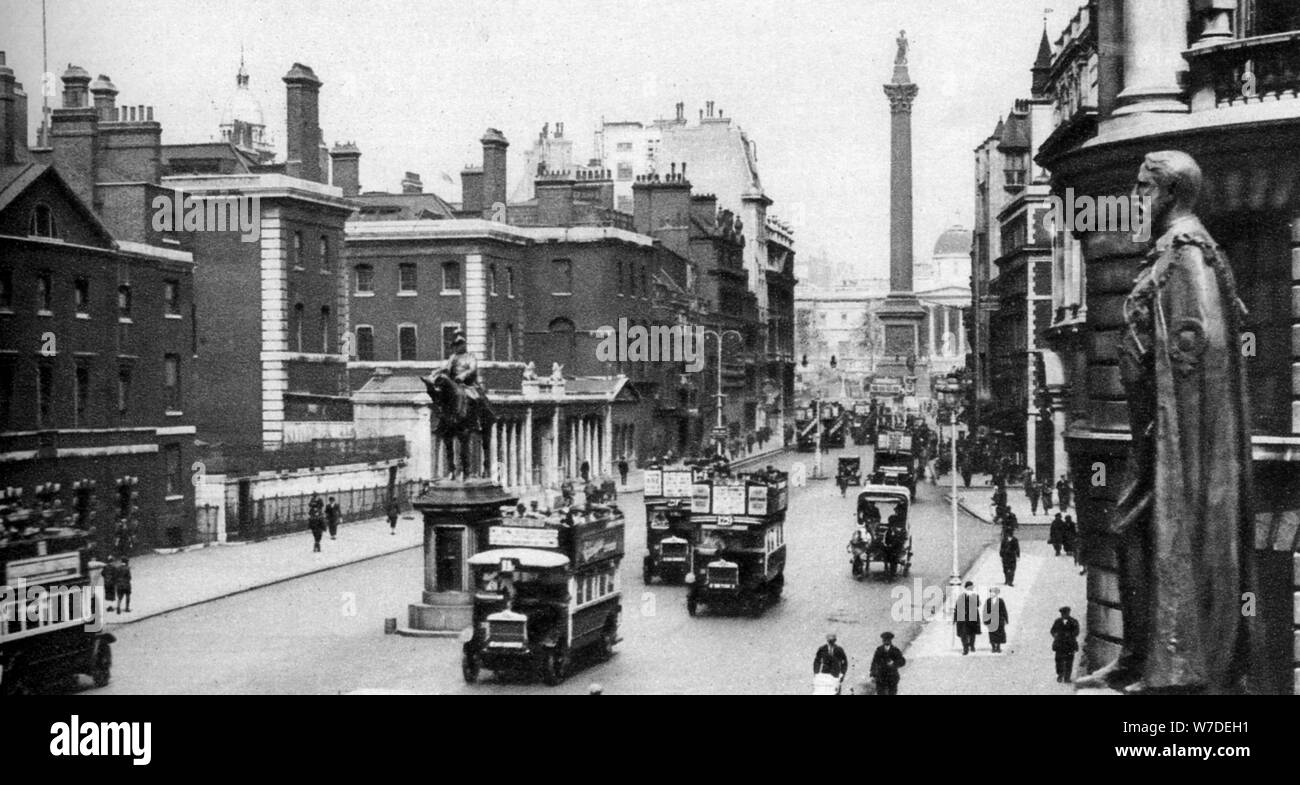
<point x="471" y="190"/>
<point x="554" y="198"/>
<point x="105" y="93"/>
<point x="661" y="208"/>
<point x="74" y="135"/>
<point x="8" y="114"/>
<point x="345" y="160"/>
<point x="304" y="136"/>
<point x="411" y="184"/>
<point x="494" y="169"/>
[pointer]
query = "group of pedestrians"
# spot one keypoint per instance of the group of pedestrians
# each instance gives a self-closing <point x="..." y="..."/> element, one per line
<point x="325" y="517"/>
<point x="969" y="613"/>
<point x="117" y="583"/>
<point x="1042" y="490"/>
<point x="886" y="661"/>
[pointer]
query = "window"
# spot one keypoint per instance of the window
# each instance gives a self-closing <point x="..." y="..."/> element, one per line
<point x="563" y="274"/>
<point x="296" y="327"/>
<point x="625" y="171"/>
<point x="406" y="280"/>
<point x="365" y="342"/>
<point x="510" y="282"/>
<point x="645" y="283"/>
<point x="325" y="261"/>
<point x="42" y="222"/>
<point x="6" y="288"/>
<point x="492" y="280"/>
<point x="172" y="381"/>
<point x="451" y="276"/>
<point x="365" y="278"/>
<point x="563" y="337"/>
<point x="406" y="344"/>
<point x="81" y="393"/>
<point x="510" y="342"/>
<point x="621" y="276"/>
<point x="123" y="389"/>
<point x="175" y="476"/>
<point x="325" y="329"/>
<point x="81" y="297"/>
<point x="7" y="377"/>
<point x="124" y="301"/>
<point x="172" y="297"/>
<point x="624" y="147"/>
<point x="44" y="394"/>
<point x="297" y="250"/>
<point x="44" y="292"/>
<point x="448" y="336"/>
<point x="492" y="341"/>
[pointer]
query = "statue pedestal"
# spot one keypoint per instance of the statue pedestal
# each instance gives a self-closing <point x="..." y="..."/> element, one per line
<point x="452" y="513"/>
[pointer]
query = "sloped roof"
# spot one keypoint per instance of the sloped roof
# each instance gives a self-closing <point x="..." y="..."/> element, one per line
<point x="401" y="207"/>
<point x="1015" y="135"/>
<point x="14" y="180"/>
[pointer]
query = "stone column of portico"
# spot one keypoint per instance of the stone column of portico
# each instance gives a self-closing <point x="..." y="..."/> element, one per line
<point x="528" y="447"/>
<point x="607" y="441"/>
<point x="1155" y="37"/>
<point x="902" y="312"/>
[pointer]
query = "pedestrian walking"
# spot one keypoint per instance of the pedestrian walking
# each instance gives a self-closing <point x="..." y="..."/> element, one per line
<point x="996" y="619"/>
<point x="122" y="585"/>
<point x="622" y="470"/>
<point x="1065" y="642"/>
<point x="1064" y="493"/>
<point x="965" y="472"/>
<point x="585" y="471"/>
<point x="332" y="514"/>
<point x="1056" y="534"/>
<point x="109" y="576"/>
<point x="843" y="482"/>
<point x="316" y="519"/>
<point x="394" y="510"/>
<point x="1045" y="490"/>
<point x="1009" y="551"/>
<point x="1031" y="491"/>
<point x="885" y="663"/>
<point x="831" y="660"/>
<point x="966" y="617"/>
<point x="1070" y="534"/>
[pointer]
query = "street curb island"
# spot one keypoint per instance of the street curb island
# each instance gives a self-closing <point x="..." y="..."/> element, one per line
<point x="334" y="565"/>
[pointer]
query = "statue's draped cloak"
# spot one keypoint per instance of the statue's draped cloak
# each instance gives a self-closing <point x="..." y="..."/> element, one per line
<point x="1190" y="483"/>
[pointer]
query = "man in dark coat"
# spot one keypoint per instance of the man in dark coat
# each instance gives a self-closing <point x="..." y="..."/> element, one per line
<point x="1071" y="537"/>
<point x="996" y="619"/>
<point x="622" y="469"/>
<point x="394" y="510"/>
<point x="885" y="664"/>
<point x="122" y="579"/>
<point x="316" y="519"/>
<point x="1064" y="492"/>
<point x="831" y="659"/>
<point x="1009" y="551"/>
<point x="585" y="471"/>
<point x="1065" y="642"/>
<point x="966" y="617"/>
<point x="1031" y="492"/>
<point x="332" y="514"/>
<point x="1045" y="491"/>
<point x="1056" y="534"/>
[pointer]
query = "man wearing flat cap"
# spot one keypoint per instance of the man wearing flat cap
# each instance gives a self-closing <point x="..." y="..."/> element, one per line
<point x="885" y="664"/>
<point x="831" y="659"/>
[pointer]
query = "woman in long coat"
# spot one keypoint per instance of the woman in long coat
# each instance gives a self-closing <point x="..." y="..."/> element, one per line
<point x="996" y="619"/>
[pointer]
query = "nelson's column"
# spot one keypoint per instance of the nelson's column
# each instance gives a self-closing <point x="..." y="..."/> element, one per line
<point x="902" y="314"/>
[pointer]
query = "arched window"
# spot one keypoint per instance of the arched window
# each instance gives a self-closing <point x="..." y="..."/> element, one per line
<point x="492" y="341"/>
<point x="510" y="342"/>
<point x="492" y="280"/>
<point x="42" y="222"/>
<point x="325" y="329"/>
<point x="296" y="328"/>
<point x="297" y="250"/>
<point x="325" y="262"/>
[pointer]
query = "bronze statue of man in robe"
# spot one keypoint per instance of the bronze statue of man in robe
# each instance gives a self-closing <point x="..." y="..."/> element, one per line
<point x="1182" y="519"/>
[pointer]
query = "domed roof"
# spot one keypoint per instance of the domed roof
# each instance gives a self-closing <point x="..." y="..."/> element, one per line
<point x="954" y="241"/>
<point x="243" y="105"/>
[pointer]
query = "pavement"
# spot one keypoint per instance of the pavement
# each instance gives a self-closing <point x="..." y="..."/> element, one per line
<point x="166" y="582"/>
<point x="977" y="500"/>
<point x="1043" y="583"/>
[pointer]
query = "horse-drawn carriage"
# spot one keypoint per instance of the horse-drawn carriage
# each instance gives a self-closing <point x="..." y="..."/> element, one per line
<point x="882" y="533"/>
<point x="849" y="471"/>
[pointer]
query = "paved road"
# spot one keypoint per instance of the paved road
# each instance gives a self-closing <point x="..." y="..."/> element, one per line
<point x="324" y="633"/>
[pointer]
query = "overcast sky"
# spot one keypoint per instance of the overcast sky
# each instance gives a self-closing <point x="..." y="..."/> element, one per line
<point x="416" y="83"/>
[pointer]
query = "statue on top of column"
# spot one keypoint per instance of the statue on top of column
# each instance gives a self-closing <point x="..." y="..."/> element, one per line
<point x="901" y="59"/>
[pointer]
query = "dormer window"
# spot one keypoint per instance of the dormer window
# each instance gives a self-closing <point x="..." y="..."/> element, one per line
<point x="42" y="222"/>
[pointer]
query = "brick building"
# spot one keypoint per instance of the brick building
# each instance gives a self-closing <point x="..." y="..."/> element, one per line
<point x="96" y="335"/>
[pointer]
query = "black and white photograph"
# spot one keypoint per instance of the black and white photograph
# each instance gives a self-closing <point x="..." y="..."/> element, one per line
<point x="651" y="347"/>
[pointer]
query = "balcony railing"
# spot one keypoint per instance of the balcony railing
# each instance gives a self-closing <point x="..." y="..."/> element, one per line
<point x="1245" y="70"/>
<point x="243" y="459"/>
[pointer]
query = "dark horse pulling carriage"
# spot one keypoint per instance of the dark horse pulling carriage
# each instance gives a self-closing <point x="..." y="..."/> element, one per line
<point x="461" y="411"/>
<point x="887" y="540"/>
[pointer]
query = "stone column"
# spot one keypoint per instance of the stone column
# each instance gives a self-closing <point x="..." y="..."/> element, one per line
<point x="608" y="440"/>
<point x="946" y="330"/>
<point x="930" y="313"/>
<point x="1155" y="36"/>
<point x="528" y="447"/>
<point x="554" y="447"/>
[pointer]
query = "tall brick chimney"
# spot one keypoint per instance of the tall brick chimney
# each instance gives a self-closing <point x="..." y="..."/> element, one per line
<point x="661" y="208"/>
<point x="304" y="136"/>
<point x="105" y="93"/>
<point x="345" y="160"/>
<point x="594" y="186"/>
<point x="74" y="135"/>
<point x="411" y="184"/>
<point x="130" y="140"/>
<point x="494" y="170"/>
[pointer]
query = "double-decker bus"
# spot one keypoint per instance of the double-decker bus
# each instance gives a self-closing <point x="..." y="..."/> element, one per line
<point x="670" y="535"/>
<point x="740" y="558"/>
<point x="545" y="590"/>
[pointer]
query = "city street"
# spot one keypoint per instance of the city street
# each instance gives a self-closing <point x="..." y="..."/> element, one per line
<point x="323" y="633"/>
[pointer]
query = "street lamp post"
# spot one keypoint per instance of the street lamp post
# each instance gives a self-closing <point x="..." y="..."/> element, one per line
<point x="718" y="396"/>
<point x="950" y="397"/>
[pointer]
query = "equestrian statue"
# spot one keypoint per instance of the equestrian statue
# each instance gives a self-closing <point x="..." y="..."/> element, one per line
<point x="461" y="407"/>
